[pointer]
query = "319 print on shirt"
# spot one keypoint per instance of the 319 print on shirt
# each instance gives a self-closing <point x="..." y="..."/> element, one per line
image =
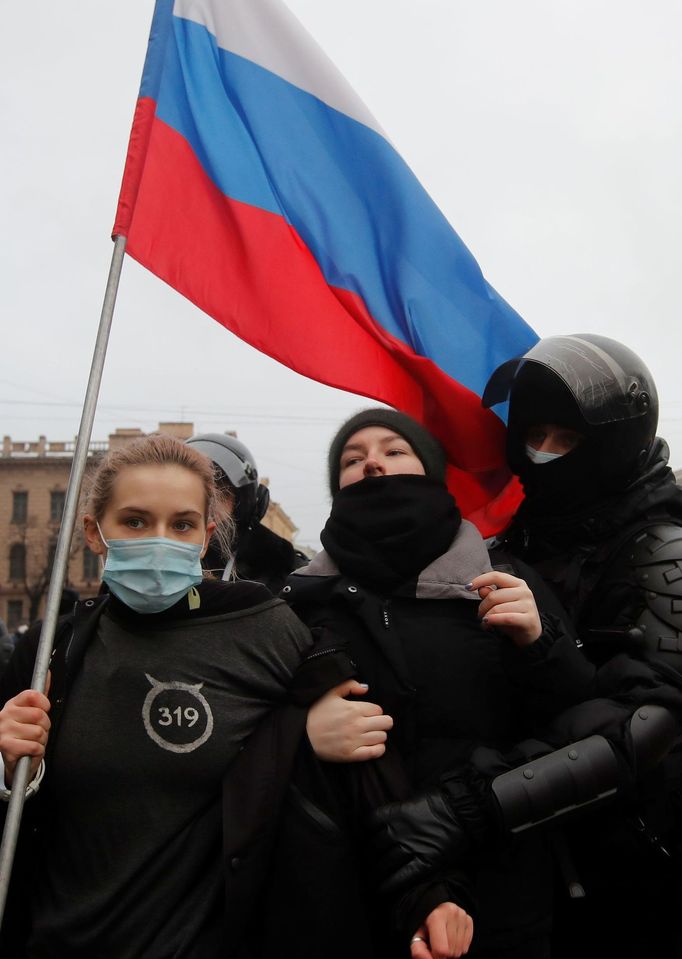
<point x="176" y="715"/>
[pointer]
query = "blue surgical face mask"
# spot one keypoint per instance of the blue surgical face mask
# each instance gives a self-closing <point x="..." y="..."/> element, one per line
<point x="152" y="573"/>
<point x="537" y="456"/>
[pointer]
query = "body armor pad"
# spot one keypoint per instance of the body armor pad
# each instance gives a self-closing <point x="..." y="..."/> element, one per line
<point x="652" y="562"/>
<point x="653" y="732"/>
<point x="583" y="773"/>
<point x="564" y="781"/>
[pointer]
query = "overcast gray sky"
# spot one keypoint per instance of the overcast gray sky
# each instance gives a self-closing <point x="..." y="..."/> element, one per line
<point x="548" y="131"/>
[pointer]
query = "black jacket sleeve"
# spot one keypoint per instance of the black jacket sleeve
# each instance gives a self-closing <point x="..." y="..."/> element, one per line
<point x="552" y="673"/>
<point x="593" y="754"/>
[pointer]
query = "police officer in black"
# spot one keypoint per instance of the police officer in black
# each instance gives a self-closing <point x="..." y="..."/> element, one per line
<point x="259" y="554"/>
<point x="602" y="522"/>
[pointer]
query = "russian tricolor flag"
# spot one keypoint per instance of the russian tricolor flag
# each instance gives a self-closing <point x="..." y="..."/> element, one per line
<point x="259" y="186"/>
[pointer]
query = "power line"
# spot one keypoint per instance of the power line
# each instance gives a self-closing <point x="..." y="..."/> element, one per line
<point x="212" y="414"/>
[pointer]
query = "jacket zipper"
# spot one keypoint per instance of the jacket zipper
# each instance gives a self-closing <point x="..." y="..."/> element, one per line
<point x="324" y="652"/>
<point x="384" y="612"/>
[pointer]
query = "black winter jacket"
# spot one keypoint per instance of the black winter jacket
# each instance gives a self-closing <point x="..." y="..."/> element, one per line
<point x="450" y="686"/>
<point x="262" y="556"/>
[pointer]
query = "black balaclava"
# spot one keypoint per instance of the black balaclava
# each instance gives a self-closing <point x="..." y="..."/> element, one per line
<point x="383" y="530"/>
<point x="564" y="485"/>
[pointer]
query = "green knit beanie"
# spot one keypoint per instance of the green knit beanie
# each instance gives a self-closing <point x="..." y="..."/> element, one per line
<point x="426" y="446"/>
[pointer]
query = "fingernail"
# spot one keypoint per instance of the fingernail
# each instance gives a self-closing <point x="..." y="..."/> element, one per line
<point x="469" y="586"/>
<point x="366" y="685"/>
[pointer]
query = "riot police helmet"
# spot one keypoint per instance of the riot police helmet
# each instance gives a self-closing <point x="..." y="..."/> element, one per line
<point x="592" y="384"/>
<point x="237" y="475"/>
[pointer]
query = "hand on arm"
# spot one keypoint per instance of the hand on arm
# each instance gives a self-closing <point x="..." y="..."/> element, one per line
<point x="343" y="731"/>
<point x="446" y="933"/>
<point x="508" y="605"/>
<point x="24" y="728"/>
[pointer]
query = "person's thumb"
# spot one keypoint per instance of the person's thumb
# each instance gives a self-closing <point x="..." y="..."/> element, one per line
<point x="353" y="688"/>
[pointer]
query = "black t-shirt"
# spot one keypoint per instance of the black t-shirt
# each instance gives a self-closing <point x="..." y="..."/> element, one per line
<point x="133" y="861"/>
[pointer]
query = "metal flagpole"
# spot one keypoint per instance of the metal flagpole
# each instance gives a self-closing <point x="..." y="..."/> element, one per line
<point x="61" y="559"/>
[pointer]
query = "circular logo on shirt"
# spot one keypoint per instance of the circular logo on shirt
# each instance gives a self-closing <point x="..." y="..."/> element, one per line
<point x="177" y="716"/>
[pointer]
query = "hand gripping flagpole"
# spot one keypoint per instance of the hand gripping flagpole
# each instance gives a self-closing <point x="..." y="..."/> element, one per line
<point x="23" y="767"/>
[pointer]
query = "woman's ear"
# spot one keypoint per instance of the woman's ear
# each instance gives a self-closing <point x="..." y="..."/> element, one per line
<point x="210" y="529"/>
<point x="92" y="535"/>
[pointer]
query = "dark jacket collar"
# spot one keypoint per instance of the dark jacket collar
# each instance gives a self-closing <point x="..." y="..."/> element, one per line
<point x="445" y="578"/>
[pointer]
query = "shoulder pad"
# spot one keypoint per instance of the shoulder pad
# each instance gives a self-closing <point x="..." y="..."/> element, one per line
<point x="653" y="562"/>
<point x="656" y="544"/>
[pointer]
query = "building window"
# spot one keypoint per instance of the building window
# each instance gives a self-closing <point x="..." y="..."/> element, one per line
<point x="15" y="613"/>
<point x="17" y="561"/>
<point x="57" y="498"/>
<point x="19" y="507"/>
<point x="51" y="550"/>
<point x="90" y="565"/>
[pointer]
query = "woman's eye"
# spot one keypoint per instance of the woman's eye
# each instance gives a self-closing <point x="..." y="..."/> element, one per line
<point x="351" y="462"/>
<point x="134" y="522"/>
<point x="183" y="526"/>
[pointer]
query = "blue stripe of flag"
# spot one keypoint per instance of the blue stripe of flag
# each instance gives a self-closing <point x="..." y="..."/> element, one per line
<point x="368" y="222"/>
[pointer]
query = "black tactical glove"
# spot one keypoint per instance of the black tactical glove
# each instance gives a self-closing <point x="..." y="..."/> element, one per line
<point x="418" y="838"/>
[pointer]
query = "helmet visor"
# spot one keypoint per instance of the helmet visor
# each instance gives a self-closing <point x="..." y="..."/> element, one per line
<point x="603" y="390"/>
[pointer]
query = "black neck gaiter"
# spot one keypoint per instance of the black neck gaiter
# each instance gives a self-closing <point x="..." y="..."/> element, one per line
<point x="384" y="530"/>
